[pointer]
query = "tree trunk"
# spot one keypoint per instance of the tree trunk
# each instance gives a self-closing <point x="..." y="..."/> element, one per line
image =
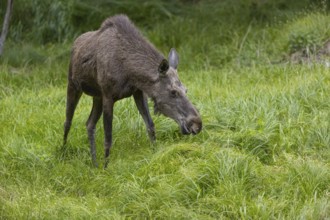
<point x="5" y="25"/>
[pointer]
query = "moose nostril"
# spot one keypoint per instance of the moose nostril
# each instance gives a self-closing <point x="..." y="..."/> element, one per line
<point x="199" y="128"/>
<point x="196" y="130"/>
<point x="195" y="125"/>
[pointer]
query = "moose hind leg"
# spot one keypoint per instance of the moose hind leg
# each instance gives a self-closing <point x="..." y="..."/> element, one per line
<point x="107" y="105"/>
<point x="142" y="105"/>
<point x="73" y="96"/>
<point x="91" y="124"/>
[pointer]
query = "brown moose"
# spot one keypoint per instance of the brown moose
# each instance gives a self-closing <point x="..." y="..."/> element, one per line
<point x="115" y="62"/>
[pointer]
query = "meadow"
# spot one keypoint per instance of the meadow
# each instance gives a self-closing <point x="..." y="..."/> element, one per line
<point x="263" y="153"/>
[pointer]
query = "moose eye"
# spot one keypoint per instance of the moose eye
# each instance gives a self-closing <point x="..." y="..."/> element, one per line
<point x="174" y="93"/>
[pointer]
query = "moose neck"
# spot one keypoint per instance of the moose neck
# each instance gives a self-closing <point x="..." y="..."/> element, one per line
<point x="142" y="67"/>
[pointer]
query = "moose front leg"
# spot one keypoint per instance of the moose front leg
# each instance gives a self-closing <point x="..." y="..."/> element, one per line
<point x="91" y="124"/>
<point x="107" y="123"/>
<point x="142" y="105"/>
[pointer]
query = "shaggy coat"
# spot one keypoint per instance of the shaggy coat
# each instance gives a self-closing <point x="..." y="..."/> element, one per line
<point x="116" y="62"/>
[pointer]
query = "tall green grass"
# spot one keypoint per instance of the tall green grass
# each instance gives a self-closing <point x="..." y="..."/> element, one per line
<point x="263" y="152"/>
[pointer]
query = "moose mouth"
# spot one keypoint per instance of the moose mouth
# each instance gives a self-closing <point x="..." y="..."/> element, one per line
<point x="190" y="128"/>
<point x="184" y="129"/>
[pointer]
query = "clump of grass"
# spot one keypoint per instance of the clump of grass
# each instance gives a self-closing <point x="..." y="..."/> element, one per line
<point x="308" y="33"/>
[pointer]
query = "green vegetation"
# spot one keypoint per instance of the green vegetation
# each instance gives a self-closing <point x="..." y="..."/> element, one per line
<point x="264" y="152"/>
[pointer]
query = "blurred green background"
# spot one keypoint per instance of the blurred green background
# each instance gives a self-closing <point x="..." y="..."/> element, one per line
<point x="210" y="32"/>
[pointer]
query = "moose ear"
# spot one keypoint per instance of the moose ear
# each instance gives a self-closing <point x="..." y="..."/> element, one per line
<point x="173" y="58"/>
<point x="163" y="67"/>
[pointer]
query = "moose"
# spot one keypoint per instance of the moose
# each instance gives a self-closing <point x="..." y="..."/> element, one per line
<point x="116" y="62"/>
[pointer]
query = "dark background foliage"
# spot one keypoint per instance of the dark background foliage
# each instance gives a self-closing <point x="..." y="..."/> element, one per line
<point x="44" y="21"/>
<point x="205" y="30"/>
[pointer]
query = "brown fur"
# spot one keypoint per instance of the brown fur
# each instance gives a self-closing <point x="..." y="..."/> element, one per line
<point x="115" y="62"/>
